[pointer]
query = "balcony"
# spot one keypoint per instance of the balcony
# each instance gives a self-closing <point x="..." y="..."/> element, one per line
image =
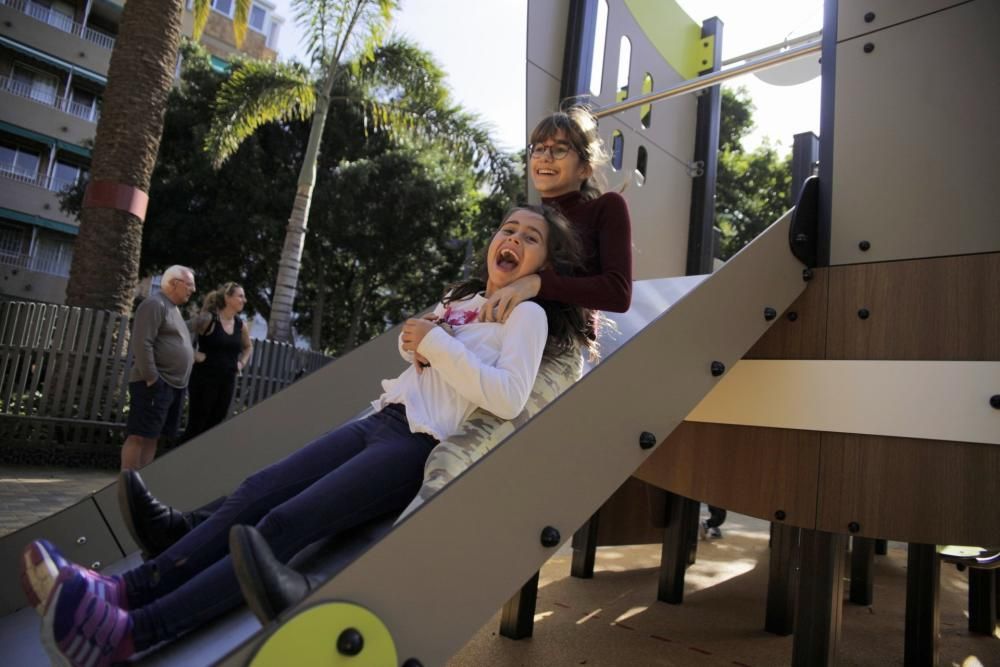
<point x="64" y="103"/>
<point x="35" y="196"/>
<point x="45" y="112"/>
<point x="37" y="26"/>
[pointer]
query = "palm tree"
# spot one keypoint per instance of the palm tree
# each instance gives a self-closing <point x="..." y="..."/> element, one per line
<point x="259" y="93"/>
<point x="106" y="253"/>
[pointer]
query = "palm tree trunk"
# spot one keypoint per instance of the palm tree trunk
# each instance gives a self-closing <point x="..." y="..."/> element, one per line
<point x="105" y="264"/>
<point x="318" y="306"/>
<point x="279" y="326"/>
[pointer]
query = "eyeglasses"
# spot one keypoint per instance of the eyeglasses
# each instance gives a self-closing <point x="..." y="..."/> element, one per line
<point x="555" y="151"/>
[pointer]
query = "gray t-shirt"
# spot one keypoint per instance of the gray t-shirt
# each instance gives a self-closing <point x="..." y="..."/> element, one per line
<point x="161" y="343"/>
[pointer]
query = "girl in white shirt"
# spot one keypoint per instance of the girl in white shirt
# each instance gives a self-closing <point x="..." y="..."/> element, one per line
<point x="357" y="472"/>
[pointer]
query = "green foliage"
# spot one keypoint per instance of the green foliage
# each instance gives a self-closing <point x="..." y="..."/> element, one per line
<point x="223" y="223"/>
<point x="257" y="93"/>
<point x="753" y="189"/>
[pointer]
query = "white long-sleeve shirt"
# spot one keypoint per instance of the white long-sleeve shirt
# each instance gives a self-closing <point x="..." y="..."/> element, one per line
<point x="483" y="365"/>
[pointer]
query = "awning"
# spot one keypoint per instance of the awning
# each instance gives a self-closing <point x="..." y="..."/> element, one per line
<point x="52" y="60"/>
<point x="44" y="139"/>
<point x="219" y="65"/>
<point x="39" y="221"/>
<point x="27" y="134"/>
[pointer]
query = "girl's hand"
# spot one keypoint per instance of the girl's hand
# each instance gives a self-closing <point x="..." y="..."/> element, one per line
<point x="503" y="301"/>
<point x="199" y="357"/>
<point x="414" y="331"/>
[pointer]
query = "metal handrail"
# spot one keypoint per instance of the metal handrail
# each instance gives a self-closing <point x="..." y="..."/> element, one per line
<point x="713" y="78"/>
<point x="786" y="44"/>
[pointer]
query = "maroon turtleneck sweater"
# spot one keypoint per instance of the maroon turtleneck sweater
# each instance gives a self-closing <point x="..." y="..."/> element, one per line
<point x="605" y="230"/>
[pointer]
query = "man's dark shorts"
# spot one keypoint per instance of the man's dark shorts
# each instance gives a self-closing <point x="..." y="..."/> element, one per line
<point x="154" y="411"/>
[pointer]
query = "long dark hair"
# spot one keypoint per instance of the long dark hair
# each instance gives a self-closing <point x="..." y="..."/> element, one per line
<point x="569" y="326"/>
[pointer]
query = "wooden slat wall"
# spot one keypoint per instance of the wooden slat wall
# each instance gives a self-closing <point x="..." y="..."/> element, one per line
<point x="65" y="370"/>
<point x="755" y="471"/>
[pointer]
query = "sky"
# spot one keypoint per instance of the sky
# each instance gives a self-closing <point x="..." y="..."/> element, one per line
<point x="480" y="44"/>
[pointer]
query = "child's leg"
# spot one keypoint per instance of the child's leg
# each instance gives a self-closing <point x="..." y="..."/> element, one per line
<point x="258" y="494"/>
<point x="382" y="478"/>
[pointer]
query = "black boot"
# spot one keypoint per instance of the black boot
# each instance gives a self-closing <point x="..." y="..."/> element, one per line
<point x="153" y="525"/>
<point x="268" y="585"/>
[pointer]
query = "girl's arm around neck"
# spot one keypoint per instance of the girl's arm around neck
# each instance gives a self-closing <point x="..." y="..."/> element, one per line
<point x="502" y="389"/>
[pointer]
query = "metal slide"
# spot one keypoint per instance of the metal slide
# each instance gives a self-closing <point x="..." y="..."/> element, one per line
<point x="422" y="588"/>
<point x="419" y="593"/>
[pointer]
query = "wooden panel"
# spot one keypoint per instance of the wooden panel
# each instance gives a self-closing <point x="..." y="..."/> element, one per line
<point x="635" y="514"/>
<point x="755" y="471"/>
<point x="800" y="331"/>
<point x="925" y="491"/>
<point x="932" y="309"/>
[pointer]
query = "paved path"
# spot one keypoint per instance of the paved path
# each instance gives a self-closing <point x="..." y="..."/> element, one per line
<point x="28" y="494"/>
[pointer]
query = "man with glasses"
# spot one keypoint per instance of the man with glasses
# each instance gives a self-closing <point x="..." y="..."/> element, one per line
<point x="162" y="359"/>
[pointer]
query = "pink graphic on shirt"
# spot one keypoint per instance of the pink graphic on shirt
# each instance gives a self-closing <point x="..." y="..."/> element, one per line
<point x="457" y="318"/>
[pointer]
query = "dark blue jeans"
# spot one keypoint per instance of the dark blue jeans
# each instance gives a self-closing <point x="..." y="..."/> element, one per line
<point x="353" y="474"/>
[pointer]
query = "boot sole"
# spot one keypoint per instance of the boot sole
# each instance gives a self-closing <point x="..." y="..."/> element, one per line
<point x="248" y="576"/>
<point x="128" y="515"/>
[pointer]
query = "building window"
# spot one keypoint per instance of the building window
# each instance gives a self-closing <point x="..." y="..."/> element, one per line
<point x="53" y="255"/>
<point x="272" y="35"/>
<point x="597" y="60"/>
<point x="19" y="162"/>
<point x="646" y="110"/>
<point x="224" y="7"/>
<point x="14" y="240"/>
<point x="258" y="18"/>
<point x="34" y="84"/>
<point x="624" y="63"/>
<point x="617" y="149"/>
<point x="65" y="176"/>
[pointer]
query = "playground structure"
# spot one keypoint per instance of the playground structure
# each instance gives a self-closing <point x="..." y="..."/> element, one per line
<point x="834" y="423"/>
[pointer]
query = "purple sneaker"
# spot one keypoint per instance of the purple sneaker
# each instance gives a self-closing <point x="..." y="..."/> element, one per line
<point x="81" y="628"/>
<point x="41" y="564"/>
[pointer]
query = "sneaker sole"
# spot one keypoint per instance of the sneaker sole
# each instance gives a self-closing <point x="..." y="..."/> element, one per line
<point x="248" y="574"/>
<point x="39" y="575"/>
<point x="49" y="642"/>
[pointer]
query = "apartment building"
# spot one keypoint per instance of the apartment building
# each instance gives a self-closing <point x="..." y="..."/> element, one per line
<point x="54" y="57"/>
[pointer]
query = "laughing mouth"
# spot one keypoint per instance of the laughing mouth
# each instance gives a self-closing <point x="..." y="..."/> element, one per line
<point x="507" y="259"/>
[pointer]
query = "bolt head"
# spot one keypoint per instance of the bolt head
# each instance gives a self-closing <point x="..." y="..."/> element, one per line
<point x="854" y="526"/>
<point x="780" y="515"/>
<point x="647" y="440"/>
<point x="864" y="245"/>
<point x="869" y="17"/>
<point x="350" y="642"/>
<point x="995" y="401"/>
<point x="792" y="316"/>
<point x="863" y="313"/>
<point x="807" y="274"/>
<point x="770" y="314"/>
<point x="550" y="537"/>
<point x="718" y="368"/>
<point x="869" y="47"/>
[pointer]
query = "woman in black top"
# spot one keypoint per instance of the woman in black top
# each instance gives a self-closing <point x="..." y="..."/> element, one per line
<point x="224" y="348"/>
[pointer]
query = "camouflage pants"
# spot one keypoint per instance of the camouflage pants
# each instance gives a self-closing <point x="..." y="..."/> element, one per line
<point x="483" y="431"/>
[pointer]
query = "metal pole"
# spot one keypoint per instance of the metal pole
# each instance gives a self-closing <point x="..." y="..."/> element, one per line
<point x="709" y="80"/>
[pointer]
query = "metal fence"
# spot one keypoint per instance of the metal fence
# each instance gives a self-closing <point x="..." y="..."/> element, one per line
<point x="64" y="374"/>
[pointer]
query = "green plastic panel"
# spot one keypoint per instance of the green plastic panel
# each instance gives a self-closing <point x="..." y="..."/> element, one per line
<point x="675" y="35"/>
